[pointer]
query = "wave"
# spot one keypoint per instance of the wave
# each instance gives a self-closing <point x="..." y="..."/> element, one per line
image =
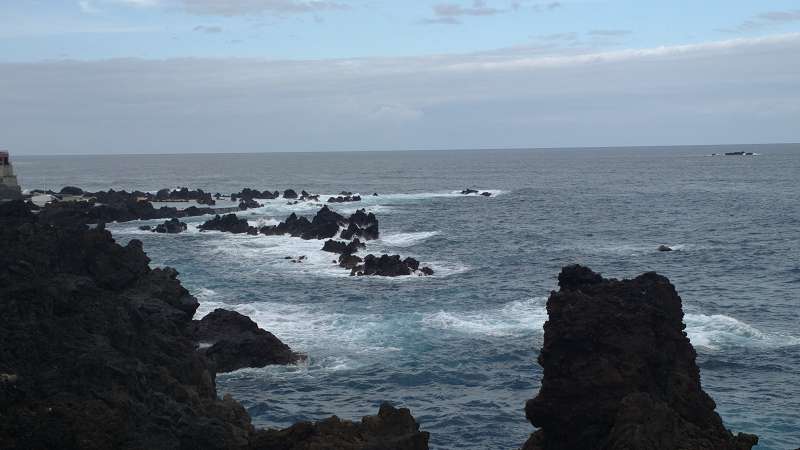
<point x="510" y="319"/>
<point x="719" y="331"/>
<point x="406" y="239"/>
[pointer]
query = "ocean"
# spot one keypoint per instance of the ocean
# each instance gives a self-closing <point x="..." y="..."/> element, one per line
<point x="459" y="348"/>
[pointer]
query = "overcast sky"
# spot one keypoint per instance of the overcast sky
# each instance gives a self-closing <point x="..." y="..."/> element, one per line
<point x="167" y="76"/>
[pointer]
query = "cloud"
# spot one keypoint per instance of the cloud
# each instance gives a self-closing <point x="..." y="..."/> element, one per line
<point x="609" y="33"/>
<point x="765" y="20"/>
<point x="245" y="7"/>
<point x="87" y="7"/>
<point x="208" y="29"/>
<point x="451" y="13"/>
<point x="732" y="91"/>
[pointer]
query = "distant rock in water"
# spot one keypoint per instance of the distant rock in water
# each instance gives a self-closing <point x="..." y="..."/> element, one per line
<point x="486" y="194"/>
<point x="233" y="341"/>
<point x="344" y="199"/>
<point x="388" y="266"/>
<point x="289" y="193"/>
<point x="324" y="225"/>
<point x="664" y="248"/>
<point x="620" y="373"/>
<point x="469" y="191"/>
<point x="229" y="223"/>
<point x="71" y="190"/>
<point x="248" y="203"/>
<point x="171" y="226"/>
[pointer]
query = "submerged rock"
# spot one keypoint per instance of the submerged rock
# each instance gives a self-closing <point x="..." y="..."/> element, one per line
<point x="469" y="191"/>
<point x="619" y="371"/>
<point x="233" y="341"/>
<point x="664" y="248"/>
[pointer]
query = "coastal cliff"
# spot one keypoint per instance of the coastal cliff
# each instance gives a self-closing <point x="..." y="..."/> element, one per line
<point x="98" y="350"/>
<point x="620" y="372"/>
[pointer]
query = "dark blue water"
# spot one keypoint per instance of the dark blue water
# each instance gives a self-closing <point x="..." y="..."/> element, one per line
<point x="460" y="348"/>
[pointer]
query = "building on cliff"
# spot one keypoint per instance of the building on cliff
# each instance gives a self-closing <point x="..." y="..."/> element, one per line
<point x="9" y="187"/>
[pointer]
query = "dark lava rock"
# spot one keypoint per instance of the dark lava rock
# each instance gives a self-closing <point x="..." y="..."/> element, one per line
<point x="233" y="341"/>
<point x="344" y="248"/>
<point x="469" y="191"/>
<point x="289" y="193"/>
<point x="374" y="194"/>
<point x="344" y="199"/>
<point x="486" y="194"/>
<point x="576" y="276"/>
<point x="249" y="194"/>
<point x="361" y="224"/>
<point x="97" y="352"/>
<point x="411" y="263"/>
<point x="71" y="190"/>
<point x="248" y="203"/>
<point x="184" y="194"/>
<point x="619" y="371"/>
<point x="426" y="271"/>
<point x="172" y="226"/>
<point x="229" y="223"/>
<point x="145" y="228"/>
<point x="324" y="225"/>
<point x="385" y="266"/>
<point x="391" y="429"/>
<point x="350" y="262"/>
<point x="664" y="248"/>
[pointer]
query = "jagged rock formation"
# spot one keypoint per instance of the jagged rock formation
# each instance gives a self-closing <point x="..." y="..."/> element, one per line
<point x="233" y="341"/>
<point x="324" y="225"/>
<point x="619" y="371"/>
<point x="183" y="194"/>
<point x="96" y="352"/>
<point x="250" y="194"/>
<point x="391" y="429"/>
<point x="389" y="266"/>
<point x="228" y="223"/>
<point x="171" y="226"/>
<point x="344" y="199"/>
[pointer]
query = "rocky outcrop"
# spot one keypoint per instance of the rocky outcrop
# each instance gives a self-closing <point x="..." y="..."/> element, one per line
<point x="228" y="223"/>
<point x="389" y="266"/>
<point x="361" y="224"/>
<point x="171" y="226"/>
<point x="620" y="372"/>
<point x="98" y="345"/>
<point x="71" y="190"/>
<point x="97" y="350"/>
<point x="289" y="193"/>
<point x="343" y="248"/>
<point x="233" y="341"/>
<point x="250" y="194"/>
<point x="182" y="195"/>
<point x="391" y="429"/>
<point x="324" y="225"/>
<point x="344" y="199"/>
<point x="664" y="248"/>
<point x="469" y="191"/>
<point x="248" y="203"/>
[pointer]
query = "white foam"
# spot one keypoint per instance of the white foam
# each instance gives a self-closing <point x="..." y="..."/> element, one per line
<point x="405" y="239"/>
<point x="718" y="331"/>
<point x="513" y="318"/>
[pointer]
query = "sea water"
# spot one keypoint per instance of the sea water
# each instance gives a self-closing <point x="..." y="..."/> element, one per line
<point x="459" y="348"/>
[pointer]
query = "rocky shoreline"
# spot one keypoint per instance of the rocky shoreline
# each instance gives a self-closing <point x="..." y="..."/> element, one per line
<point x="98" y="350"/>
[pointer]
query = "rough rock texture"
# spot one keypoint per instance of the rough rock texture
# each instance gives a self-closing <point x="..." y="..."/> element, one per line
<point x="619" y="371"/>
<point x="233" y="341"/>
<point x="344" y="199"/>
<point x="387" y="266"/>
<point x="324" y="225"/>
<point x="249" y="194"/>
<point x="391" y="429"/>
<point x="229" y="223"/>
<point x="96" y="352"/>
<point x="171" y="226"/>
<point x="97" y="342"/>
<point x="183" y="194"/>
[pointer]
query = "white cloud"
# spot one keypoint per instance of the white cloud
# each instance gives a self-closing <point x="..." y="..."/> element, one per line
<point x="741" y="90"/>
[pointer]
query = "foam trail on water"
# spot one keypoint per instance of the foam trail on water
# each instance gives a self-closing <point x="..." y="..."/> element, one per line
<point x="717" y="331"/>
<point x="406" y="239"/>
<point x="510" y="319"/>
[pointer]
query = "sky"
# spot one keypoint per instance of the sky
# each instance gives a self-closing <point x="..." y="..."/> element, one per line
<point x="170" y="76"/>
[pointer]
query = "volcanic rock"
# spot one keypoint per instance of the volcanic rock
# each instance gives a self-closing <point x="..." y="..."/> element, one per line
<point x="71" y="190"/>
<point x="172" y="226"/>
<point x="233" y="341"/>
<point x="229" y="223"/>
<point x="469" y="191"/>
<point x="97" y="352"/>
<point x="619" y="371"/>
<point x="664" y="248"/>
<point x="289" y="193"/>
